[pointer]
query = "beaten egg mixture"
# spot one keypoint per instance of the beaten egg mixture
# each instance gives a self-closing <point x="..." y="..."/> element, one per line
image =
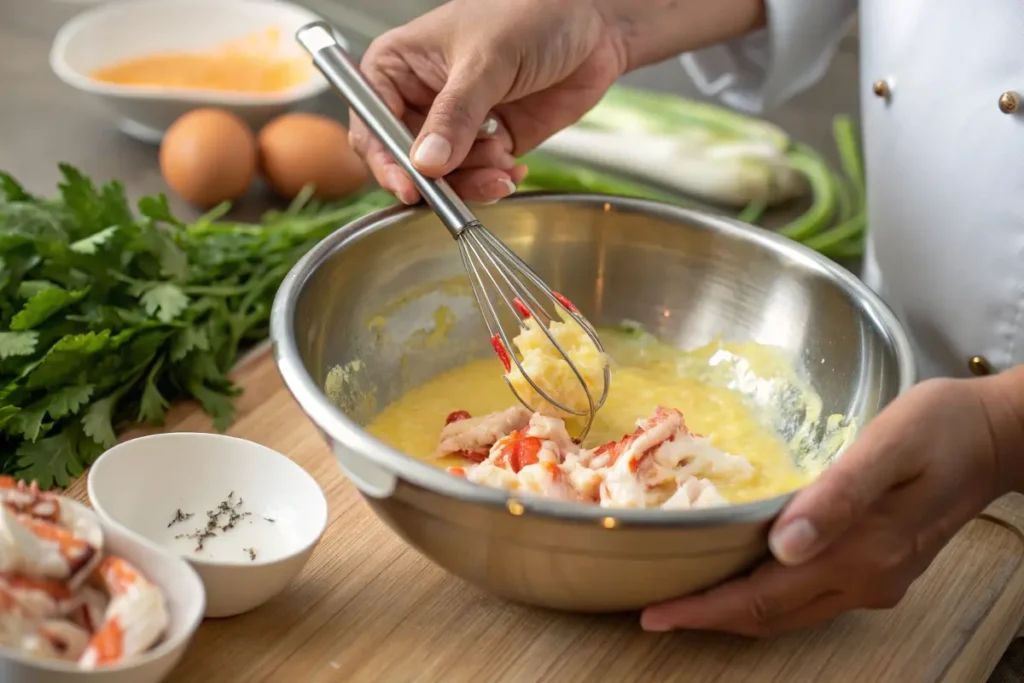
<point x="250" y="64"/>
<point x="664" y="406"/>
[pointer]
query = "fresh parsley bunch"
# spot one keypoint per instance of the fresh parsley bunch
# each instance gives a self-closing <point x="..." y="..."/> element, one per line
<point x="107" y="316"/>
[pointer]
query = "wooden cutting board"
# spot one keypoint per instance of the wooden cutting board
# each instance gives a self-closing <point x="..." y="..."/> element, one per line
<point x="367" y="608"/>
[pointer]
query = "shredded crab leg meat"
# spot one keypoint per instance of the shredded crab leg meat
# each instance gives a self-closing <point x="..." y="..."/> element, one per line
<point x="60" y="597"/>
<point x="135" y="618"/>
<point x="660" y="465"/>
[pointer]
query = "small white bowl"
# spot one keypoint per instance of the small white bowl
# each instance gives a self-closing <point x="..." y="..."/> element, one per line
<point x="117" y="31"/>
<point x="185" y="600"/>
<point x="142" y="483"/>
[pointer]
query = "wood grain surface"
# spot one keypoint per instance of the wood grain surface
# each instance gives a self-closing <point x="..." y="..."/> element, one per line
<point x="369" y="609"/>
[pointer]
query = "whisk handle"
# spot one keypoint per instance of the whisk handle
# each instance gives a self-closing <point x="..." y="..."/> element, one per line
<point x="342" y="72"/>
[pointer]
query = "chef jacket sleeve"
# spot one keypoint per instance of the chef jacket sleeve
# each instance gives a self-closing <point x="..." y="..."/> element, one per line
<point x="764" y="69"/>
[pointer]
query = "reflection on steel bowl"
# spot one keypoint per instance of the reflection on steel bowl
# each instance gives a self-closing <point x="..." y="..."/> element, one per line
<point x="382" y="306"/>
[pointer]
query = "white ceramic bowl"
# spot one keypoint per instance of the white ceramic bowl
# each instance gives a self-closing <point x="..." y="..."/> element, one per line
<point x="116" y="31"/>
<point x="143" y="482"/>
<point x="185" y="600"/>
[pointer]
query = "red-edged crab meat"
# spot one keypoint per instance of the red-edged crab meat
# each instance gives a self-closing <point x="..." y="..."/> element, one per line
<point x="648" y="468"/>
<point x="473" y="437"/>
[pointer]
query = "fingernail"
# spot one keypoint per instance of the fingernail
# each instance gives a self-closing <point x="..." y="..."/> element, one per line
<point x="502" y="188"/>
<point x="652" y="624"/>
<point x="432" y="151"/>
<point x="793" y="543"/>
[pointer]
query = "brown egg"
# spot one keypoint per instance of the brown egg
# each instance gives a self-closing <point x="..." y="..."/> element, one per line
<point x="298" y="149"/>
<point x="208" y="156"/>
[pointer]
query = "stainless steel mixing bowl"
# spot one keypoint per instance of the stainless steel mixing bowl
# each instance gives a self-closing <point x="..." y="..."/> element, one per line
<point x="351" y="332"/>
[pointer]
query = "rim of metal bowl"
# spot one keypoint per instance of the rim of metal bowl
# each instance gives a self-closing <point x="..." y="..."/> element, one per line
<point x="340" y="428"/>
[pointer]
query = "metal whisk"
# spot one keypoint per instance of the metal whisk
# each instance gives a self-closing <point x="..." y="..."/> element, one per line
<point x="495" y="271"/>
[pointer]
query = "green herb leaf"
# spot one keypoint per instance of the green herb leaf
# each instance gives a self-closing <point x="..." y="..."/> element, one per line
<point x="7" y="413"/>
<point x="68" y="400"/>
<point x="98" y="421"/>
<point x="189" y="339"/>
<point x="17" y="344"/>
<point x="172" y="259"/>
<point x="43" y="304"/>
<point x="92" y="243"/>
<point x="165" y="301"/>
<point x="152" y="405"/>
<point x="28" y="423"/>
<point x="66" y="357"/>
<point x="92" y="210"/>
<point x="53" y="460"/>
<point x="13" y="190"/>
<point x="158" y="209"/>
<point x="29" y="288"/>
<point x="216" y="404"/>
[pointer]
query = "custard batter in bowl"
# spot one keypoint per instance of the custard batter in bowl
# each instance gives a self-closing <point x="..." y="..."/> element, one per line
<point x="647" y="375"/>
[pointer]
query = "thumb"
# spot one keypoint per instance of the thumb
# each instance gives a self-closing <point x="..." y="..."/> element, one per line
<point x="818" y="515"/>
<point x="456" y="115"/>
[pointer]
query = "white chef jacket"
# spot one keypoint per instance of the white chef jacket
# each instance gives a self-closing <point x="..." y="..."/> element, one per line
<point x="944" y="163"/>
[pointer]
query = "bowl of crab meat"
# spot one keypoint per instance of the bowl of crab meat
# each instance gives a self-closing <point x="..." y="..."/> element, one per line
<point x="738" y="365"/>
<point x="82" y="599"/>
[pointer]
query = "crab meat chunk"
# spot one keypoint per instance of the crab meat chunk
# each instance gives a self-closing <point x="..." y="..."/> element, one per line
<point x="547" y="480"/>
<point x="694" y="493"/>
<point x="585" y="481"/>
<point x="528" y="460"/>
<point x="647" y="468"/>
<point x="136" y="616"/>
<point x="34" y="547"/>
<point x="38" y="598"/>
<point x="55" y="639"/>
<point x="551" y="429"/>
<point x="473" y="437"/>
<point x="488" y="474"/>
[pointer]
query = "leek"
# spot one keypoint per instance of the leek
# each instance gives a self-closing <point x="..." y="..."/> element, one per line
<point x="672" y="147"/>
<point x="824" y="203"/>
<point x="636" y="110"/>
<point x="835" y="238"/>
<point x="836" y="242"/>
<point x="853" y="249"/>
<point x="546" y="173"/>
<point x="694" y="148"/>
<point x="845" y="135"/>
<point x="752" y="213"/>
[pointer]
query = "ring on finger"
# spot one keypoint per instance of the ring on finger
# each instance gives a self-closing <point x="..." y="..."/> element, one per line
<point x="490" y="126"/>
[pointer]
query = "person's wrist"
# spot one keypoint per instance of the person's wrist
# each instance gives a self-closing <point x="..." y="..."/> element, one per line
<point x="1003" y="398"/>
<point x="651" y="31"/>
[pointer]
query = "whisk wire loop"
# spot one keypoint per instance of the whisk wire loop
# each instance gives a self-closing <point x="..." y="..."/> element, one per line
<point x="488" y="261"/>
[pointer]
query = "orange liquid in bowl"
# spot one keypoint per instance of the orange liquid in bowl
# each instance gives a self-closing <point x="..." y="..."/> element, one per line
<point x="252" y="64"/>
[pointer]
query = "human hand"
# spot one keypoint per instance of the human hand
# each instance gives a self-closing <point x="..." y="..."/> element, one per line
<point x="872" y="523"/>
<point x="536" y="65"/>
